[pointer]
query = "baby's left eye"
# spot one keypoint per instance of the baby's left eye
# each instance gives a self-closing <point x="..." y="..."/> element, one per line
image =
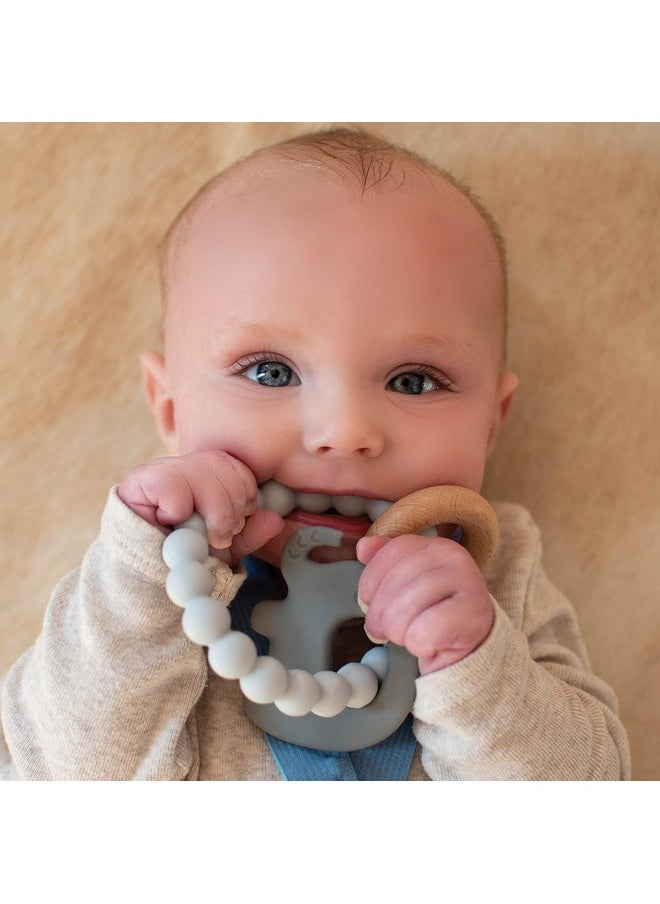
<point x="272" y="373"/>
<point x="414" y="383"/>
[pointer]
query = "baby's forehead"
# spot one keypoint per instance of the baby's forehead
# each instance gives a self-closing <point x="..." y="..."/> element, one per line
<point x="274" y="171"/>
<point x="269" y="181"/>
<point x="253" y="198"/>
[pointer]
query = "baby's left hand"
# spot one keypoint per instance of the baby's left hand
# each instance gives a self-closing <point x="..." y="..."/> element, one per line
<point x="425" y="594"/>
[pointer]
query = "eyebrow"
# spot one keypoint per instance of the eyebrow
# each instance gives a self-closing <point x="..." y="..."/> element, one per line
<point x="432" y="342"/>
<point x="260" y="331"/>
<point x="435" y="342"/>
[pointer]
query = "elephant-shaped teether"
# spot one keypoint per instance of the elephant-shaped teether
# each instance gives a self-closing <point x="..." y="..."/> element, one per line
<point x="301" y="630"/>
<point x="321" y="597"/>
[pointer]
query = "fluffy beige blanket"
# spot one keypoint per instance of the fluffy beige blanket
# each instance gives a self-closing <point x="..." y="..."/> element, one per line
<point x="82" y="209"/>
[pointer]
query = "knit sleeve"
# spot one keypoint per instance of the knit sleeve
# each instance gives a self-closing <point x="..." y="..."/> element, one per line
<point x="108" y="690"/>
<point x="525" y="705"/>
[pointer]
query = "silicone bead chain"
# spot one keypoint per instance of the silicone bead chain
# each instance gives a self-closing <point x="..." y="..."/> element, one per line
<point x="233" y="654"/>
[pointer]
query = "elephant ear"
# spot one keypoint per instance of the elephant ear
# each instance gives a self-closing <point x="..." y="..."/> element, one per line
<point x="444" y="505"/>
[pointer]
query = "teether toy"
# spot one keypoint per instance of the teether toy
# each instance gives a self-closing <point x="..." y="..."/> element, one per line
<point x="292" y="693"/>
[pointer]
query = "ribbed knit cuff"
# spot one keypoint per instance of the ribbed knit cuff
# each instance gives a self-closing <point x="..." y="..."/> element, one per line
<point x="474" y="678"/>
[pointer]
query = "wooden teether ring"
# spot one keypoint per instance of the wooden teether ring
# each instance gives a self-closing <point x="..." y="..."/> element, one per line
<point x="444" y="505"/>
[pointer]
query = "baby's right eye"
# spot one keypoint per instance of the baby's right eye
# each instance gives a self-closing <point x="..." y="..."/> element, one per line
<point x="272" y="373"/>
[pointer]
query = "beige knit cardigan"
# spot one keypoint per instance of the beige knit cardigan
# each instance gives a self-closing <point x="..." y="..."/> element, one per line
<point x="113" y="690"/>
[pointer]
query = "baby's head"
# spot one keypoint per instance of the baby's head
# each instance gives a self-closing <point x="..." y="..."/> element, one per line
<point x="335" y="318"/>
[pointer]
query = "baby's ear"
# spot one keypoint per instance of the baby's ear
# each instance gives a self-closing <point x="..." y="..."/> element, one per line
<point x="156" y="389"/>
<point x="505" y="391"/>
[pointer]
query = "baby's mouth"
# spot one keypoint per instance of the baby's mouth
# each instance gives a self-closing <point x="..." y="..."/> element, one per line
<point x="350" y="513"/>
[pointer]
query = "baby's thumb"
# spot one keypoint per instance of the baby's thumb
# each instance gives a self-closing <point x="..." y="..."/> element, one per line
<point x="367" y="548"/>
<point x="259" y="529"/>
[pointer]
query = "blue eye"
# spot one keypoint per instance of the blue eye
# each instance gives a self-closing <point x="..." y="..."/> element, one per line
<point x="272" y="373"/>
<point x="413" y="383"/>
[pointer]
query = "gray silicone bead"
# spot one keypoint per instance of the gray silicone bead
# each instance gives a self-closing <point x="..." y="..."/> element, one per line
<point x="187" y="580"/>
<point x="277" y="497"/>
<point x="205" y="619"/>
<point x="335" y="693"/>
<point x="195" y="522"/>
<point x="185" y="545"/>
<point x="378" y="660"/>
<point x="233" y="655"/>
<point x="301" y="695"/>
<point x="363" y="683"/>
<point x="267" y="681"/>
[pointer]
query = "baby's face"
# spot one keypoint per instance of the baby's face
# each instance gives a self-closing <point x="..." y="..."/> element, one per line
<point x="340" y="344"/>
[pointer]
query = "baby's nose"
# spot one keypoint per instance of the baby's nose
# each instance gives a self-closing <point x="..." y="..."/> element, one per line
<point x="344" y="429"/>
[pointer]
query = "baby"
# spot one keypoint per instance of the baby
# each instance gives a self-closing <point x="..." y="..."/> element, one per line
<point x="335" y="333"/>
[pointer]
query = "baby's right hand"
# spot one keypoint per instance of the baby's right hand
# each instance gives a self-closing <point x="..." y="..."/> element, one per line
<point x="166" y="492"/>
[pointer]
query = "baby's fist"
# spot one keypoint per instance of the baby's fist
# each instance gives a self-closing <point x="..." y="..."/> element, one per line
<point x="425" y="594"/>
<point x="165" y="492"/>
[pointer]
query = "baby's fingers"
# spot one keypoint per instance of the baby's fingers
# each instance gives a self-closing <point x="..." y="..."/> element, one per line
<point x="444" y="634"/>
<point x="259" y="529"/>
<point x="401" y="597"/>
<point x="223" y="492"/>
<point x="367" y="548"/>
<point x="385" y="559"/>
<point x="158" y="493"/>
<point x="225" y="496"/>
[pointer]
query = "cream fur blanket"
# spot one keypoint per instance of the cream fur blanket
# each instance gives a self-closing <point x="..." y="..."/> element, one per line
<point x="82" y="209"/>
